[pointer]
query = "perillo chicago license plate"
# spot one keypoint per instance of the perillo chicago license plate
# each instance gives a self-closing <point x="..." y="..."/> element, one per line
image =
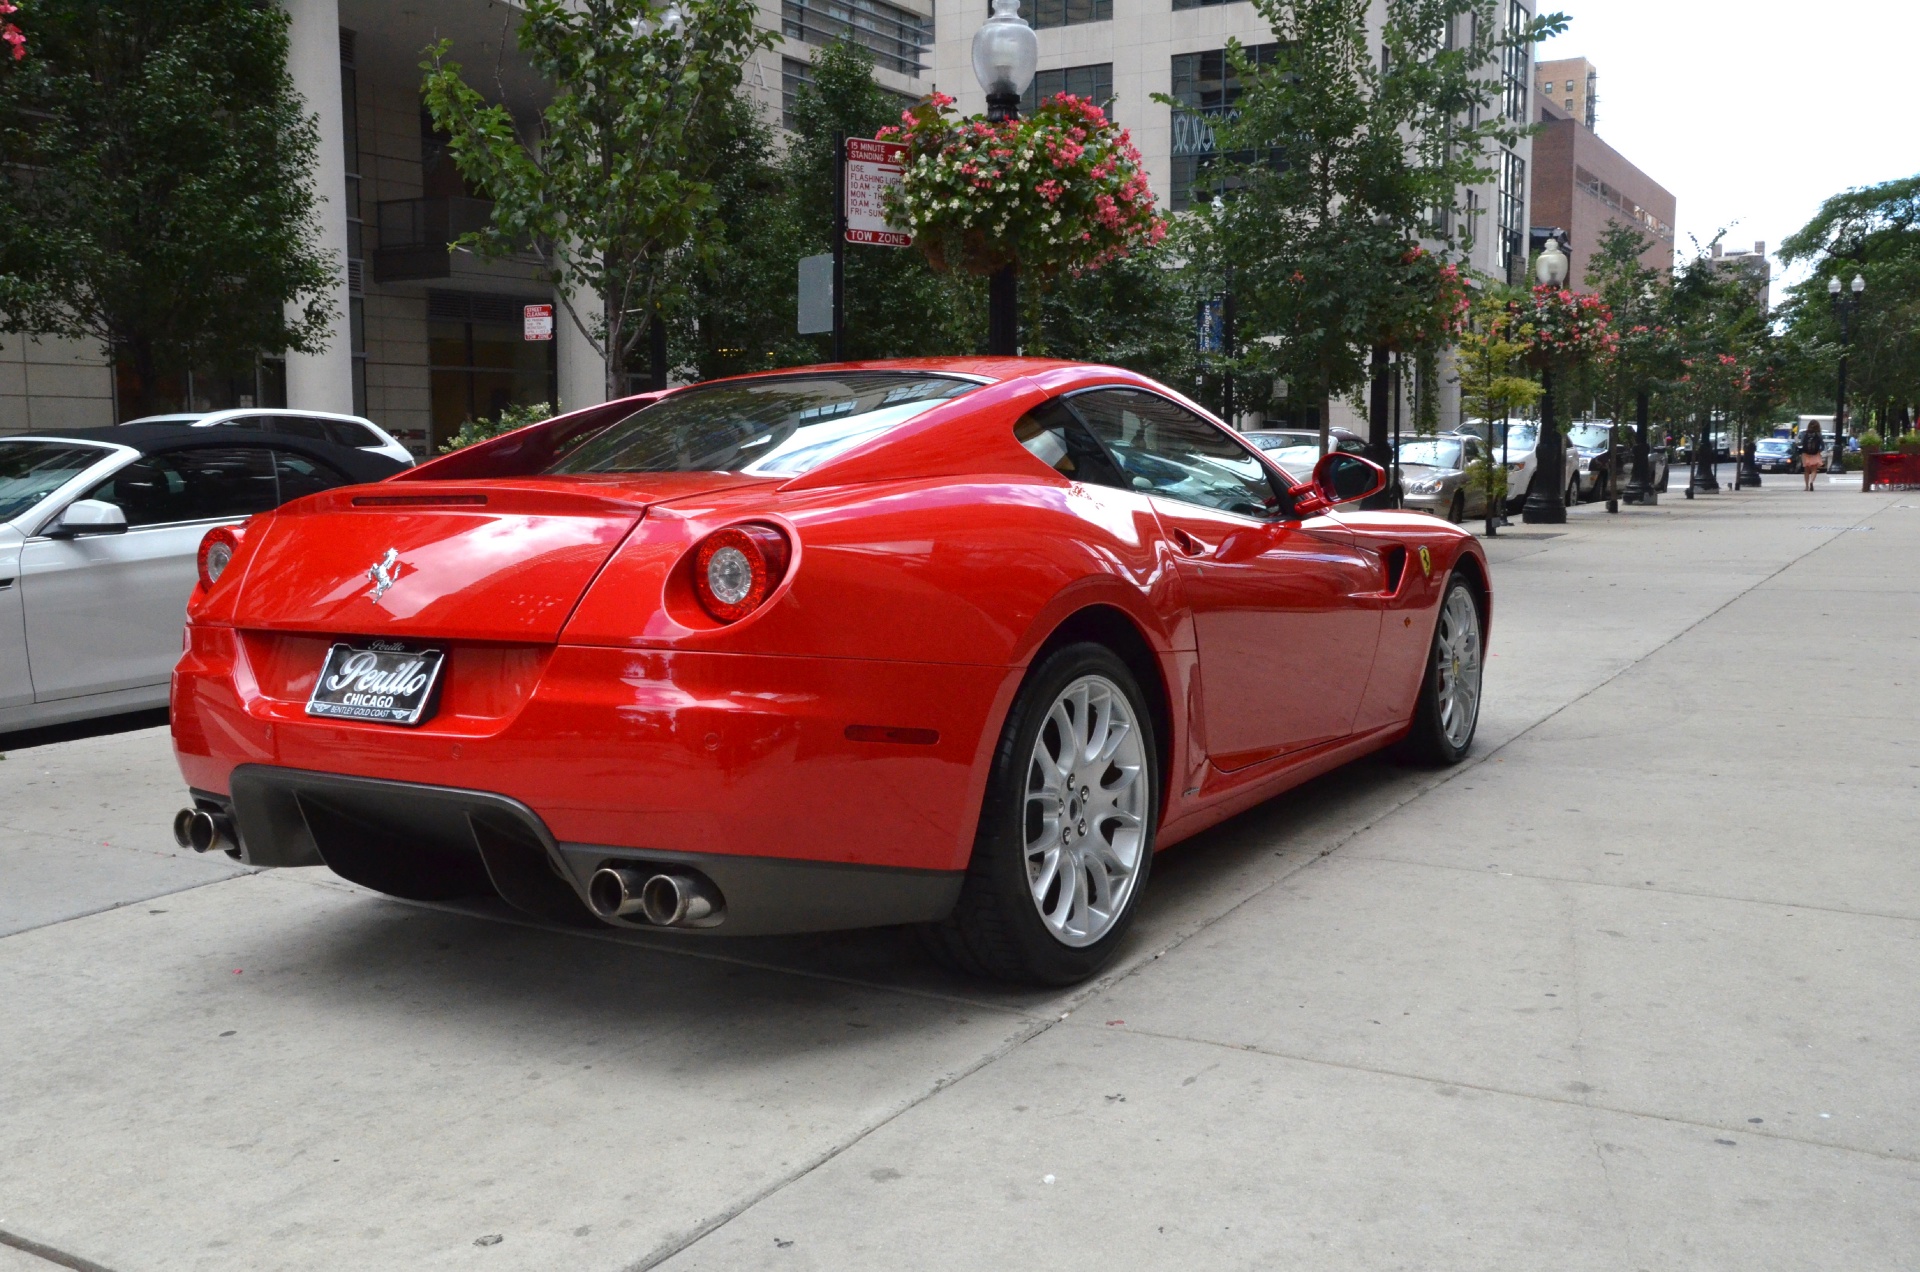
<point x="379" y="681"/>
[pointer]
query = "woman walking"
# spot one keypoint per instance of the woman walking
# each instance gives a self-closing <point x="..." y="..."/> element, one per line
<point x="1812" y="452"/>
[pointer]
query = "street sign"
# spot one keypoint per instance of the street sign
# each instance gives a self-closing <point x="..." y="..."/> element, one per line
<point x="873" y="167"/>
<point x="536" y="322"/>
<point x="816" y="294"/>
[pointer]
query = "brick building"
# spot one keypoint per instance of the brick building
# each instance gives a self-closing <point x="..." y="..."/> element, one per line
<point x="1581" y="184"/>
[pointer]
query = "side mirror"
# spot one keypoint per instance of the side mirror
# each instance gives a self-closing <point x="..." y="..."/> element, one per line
<point x="1338" y="478"/>
<point x="88" y="516"/>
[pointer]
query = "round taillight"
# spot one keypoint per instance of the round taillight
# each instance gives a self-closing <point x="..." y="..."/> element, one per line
<point x="216" y="553"/>
<point x="735" y="569"/>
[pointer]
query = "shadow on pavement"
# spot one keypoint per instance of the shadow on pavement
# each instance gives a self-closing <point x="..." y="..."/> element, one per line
<point x="76" y="730"/>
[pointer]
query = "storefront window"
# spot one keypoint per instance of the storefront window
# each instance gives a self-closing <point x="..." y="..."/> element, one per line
<point x="479" y="361"/>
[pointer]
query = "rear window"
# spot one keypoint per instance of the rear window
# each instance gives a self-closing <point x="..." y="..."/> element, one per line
<point x="30" y="471"/>
<point x="774" y="425"/>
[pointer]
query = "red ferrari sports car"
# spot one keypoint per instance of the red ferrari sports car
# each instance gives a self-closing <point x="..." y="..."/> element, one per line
<point x="957" y="643"/>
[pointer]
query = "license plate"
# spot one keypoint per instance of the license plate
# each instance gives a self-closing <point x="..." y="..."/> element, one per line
<point x="382" y="682"/>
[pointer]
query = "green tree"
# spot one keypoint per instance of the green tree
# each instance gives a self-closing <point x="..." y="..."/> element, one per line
<point x="1356" y="154"/>
<point x="156" y="188"/>
<point x="1873" y="232"/>
<point x="613" y="188"/>
<point x="778" y="207"/>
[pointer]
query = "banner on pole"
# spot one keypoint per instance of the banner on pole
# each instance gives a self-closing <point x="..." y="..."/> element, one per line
<point x="873" y="167"/>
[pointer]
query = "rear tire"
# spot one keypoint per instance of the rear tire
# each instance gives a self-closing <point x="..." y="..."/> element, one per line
<point x="1065" y="841"/>
<point x="1448" y="712"/>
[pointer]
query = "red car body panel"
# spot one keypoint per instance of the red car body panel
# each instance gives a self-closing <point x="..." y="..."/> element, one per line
<point x="851" y="718"/>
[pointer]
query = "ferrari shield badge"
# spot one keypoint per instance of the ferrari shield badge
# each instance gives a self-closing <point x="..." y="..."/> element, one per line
<point x="1426" y="562"/>
<point x="386" y="572"/>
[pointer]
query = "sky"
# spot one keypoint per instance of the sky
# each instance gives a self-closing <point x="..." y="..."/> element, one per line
<point x="1752" y="111"/>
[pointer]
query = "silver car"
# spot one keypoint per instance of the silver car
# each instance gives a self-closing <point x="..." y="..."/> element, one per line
<point x="1433" y="474"/>
<point x="99" y="536"/>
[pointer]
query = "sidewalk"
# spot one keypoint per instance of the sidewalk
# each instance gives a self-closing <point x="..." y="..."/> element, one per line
<point x="1632" y="988"/>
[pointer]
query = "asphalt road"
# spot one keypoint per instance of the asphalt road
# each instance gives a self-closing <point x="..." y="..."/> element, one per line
<point x="1633" y="988"/>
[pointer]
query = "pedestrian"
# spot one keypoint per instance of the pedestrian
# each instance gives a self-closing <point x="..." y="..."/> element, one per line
<point x="1812" y="449"/>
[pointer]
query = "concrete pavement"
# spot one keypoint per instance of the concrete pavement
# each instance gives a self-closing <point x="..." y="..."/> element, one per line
<point x="1630" y="989"/>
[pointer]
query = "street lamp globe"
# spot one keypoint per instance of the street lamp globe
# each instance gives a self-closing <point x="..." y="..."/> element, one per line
<point x="1833" y="288"/>
<point x="1859" y="284"/>
<point x="1552" y="267"/>
<point x="1006" y="53"/>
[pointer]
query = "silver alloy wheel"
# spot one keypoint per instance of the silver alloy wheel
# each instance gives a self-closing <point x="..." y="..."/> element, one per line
<point x="1086" y="810"/>
<point x="1456" y="657"/>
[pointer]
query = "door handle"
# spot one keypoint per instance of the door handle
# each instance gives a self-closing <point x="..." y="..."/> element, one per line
<point x="1188" y="544"/>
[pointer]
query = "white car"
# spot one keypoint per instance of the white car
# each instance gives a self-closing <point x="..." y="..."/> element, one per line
<point x="319" y="426"/>
<point x="1516" y="448"/>
<point x="99" y="537"/>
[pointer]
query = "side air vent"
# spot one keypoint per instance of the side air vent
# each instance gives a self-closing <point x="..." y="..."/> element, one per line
<point x="1396" y="568"/>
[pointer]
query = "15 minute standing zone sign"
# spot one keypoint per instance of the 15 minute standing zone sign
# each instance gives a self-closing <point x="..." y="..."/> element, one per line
<point x="873" y="167"/>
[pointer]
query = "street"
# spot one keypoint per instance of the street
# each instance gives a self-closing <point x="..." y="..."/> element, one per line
<point x="1631" y="988"/>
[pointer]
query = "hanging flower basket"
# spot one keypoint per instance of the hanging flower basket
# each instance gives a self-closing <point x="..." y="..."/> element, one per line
<point x="1559" y="325"/>
<point x="1059" y="190"/>
<point x="1437" y="302"/>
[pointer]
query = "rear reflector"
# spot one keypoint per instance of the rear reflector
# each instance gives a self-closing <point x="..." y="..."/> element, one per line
<point x="418" y="501"/>
<point x="887" y="733"/>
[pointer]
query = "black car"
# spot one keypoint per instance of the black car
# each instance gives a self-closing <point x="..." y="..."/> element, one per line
<point x="1776" y="454"/>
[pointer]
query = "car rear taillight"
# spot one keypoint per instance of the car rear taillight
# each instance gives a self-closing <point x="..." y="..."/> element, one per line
<point x="216" y="553"/>
<point x="736" y="569"/>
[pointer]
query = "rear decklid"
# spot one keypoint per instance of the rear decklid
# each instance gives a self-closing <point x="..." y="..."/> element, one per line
<point x="494" y="561"/>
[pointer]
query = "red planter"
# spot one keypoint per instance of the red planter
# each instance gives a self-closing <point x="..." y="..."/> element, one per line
<point x="1891" y="470"/>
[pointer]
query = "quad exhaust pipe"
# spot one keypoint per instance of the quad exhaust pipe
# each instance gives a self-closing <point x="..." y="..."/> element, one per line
<point x="662" y="898"/>
<point x="204" y="831"/>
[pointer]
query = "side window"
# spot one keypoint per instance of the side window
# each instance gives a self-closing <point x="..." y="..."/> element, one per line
<point x="298" y="426"/>
<point x="191" y="485"/>
<point x="249" y="422"/>
<point x="347" y="433"/>
<point x="1170" y="451"/>
<point x="302" y="476"/>
<point x="1057" y="438"/>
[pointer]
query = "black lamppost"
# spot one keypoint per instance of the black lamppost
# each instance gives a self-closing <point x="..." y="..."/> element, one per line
<point x="1640" y="485"/>
<point x="1545" y="501"/>
<point x="1006" y="53"/>
<point x="1844" y="309"/>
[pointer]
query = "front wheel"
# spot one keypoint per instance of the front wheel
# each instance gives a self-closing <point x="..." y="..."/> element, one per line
<point x="1457" y="510"/>
<point x="1066" y="831"/>
<point x="1448" y="711"/>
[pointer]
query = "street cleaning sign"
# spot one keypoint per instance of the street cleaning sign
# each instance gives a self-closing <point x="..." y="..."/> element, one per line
<point x="873" y="167"/>
<point x="536" y="322"/>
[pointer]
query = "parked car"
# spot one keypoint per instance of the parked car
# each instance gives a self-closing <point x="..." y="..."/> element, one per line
<point x="319" y="426"/>
<point x="1590" y="442"/>
<point x="949" y="642"/>
<point x="1514" y="443"/>
<point x="1344" y="440"/>
<point x="1433" y="475"/>
<point x="98" y="537"/>
<point x="1776" y="455"/>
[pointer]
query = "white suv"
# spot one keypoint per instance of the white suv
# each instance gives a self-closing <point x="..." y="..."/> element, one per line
<point x="320" y="426"/>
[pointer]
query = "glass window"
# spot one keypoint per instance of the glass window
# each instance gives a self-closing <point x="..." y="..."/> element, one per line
<point x="771" y="425"/>
<point x="297" y="426"/>
<point x="1207" y="86"/>
<point x="1095" y="83"/>
<point x="894" y="36"/>
<point x="1167" y="450"/>
<point x="252" y="423"/>
<point x="1041" y="14"/>
<point x="1436" y="452"/>
<point x="348" y="433"/>
<point x="30" y="471"/>
<point x="192" y="485"/>
<point x="298" y="475"/>
<point x="1057" y="438"/>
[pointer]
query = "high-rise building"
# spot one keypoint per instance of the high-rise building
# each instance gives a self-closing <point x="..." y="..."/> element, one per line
<point x="1751" y="267"/>
<point x="1570" y="83"/>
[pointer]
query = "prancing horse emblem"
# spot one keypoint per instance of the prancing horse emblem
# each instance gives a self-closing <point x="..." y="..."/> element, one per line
<point x="385" y="572"/>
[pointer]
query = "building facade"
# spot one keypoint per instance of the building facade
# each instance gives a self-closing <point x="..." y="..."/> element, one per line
<point x="1572" y="84"/>
<point x="1581" y="185"/>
